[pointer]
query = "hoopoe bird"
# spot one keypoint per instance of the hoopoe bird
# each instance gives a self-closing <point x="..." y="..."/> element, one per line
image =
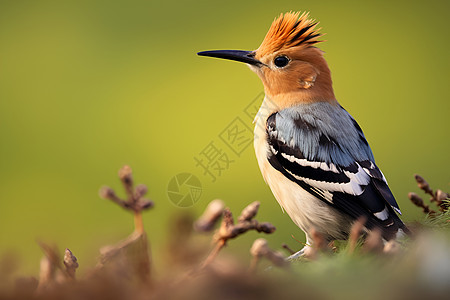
<point x="311" y="152"/>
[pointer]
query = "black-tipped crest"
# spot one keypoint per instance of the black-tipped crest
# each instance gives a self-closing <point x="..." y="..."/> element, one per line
<point x="289" y="30"/>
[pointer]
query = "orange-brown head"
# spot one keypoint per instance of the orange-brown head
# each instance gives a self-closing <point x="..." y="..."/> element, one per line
<point x="291" y="68"/>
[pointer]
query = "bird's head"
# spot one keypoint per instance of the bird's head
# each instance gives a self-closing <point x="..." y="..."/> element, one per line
<point x="291" y="68"/>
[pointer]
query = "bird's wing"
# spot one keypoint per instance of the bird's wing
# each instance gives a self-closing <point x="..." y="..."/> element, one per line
<point x="356" y="187"/>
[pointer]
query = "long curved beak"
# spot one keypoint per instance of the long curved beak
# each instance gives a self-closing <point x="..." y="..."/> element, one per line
<point x="247" y="57"/>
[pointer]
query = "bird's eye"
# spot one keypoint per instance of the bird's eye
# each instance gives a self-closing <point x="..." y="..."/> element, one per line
<point x="281" y="61"/>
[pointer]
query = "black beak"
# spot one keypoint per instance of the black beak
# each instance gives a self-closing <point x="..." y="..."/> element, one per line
<point x="247" y="57"/>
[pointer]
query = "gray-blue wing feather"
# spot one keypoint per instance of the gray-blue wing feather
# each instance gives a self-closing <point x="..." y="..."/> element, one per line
<point x="322" y="148"/>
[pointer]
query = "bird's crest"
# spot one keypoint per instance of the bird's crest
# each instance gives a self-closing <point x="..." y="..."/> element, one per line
<point x="290" y="30"/>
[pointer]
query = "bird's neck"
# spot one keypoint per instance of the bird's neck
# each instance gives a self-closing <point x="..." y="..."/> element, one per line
<point x="286" y="100"/>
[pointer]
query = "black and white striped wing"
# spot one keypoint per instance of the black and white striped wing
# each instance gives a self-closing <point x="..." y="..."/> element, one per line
<point x="358" y="189"/>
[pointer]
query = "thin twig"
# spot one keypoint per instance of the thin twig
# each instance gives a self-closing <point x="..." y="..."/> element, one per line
<point x="418" y="201"/>
<point x="136" y="203"/>
<point x="229" y="230"/>
<point x="439" y="197"/>
<point x="219" y="245"/>
<point x="288" y="249"/>
<point x="260" y="249"/>
<point x="209" y="218"/>
<point x="423" y="185"/>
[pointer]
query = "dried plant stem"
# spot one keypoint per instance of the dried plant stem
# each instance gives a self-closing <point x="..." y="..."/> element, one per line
<point x="437" y="197"/>
<point x="53" y="269"/>
<point x="46" y="274"/>
<point x="253" y="264"/>
<point x="144" y="265"/>
<point x="212" y="255"/>
<point x="260" y="249"/>
<point x="134" y="240"/>
<point x="71" y="263"/>
<point x="108" y="252"/>
<point x="210" y="216"/>
<point x="288" y="249"/>
<point x="418" y="201"/>
<point x="229" y="230"/>
<point x="138" y="223"/>
<point x="136" y="203"/>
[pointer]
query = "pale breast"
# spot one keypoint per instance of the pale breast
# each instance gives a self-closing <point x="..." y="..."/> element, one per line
<point x="304" y="209"/>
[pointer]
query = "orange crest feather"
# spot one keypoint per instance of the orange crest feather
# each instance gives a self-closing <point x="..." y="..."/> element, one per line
<point x="290" y="30"/>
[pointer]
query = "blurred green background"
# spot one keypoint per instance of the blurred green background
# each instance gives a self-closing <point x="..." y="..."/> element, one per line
<point x="88" y="86"/>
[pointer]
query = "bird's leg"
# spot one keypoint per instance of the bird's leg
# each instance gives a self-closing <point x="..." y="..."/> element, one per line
<point x="299" y="253"/>
<point x="302" y="252"/>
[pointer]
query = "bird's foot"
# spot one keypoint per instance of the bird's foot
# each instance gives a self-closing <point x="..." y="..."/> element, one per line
<point x="298" y="254"/>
